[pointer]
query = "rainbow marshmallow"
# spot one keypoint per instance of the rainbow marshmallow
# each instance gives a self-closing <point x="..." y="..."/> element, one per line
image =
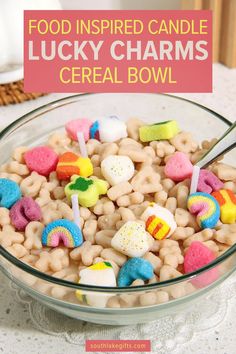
<point x="62" y="230"/>
<point x="227" y="200"/>
<point x="205" y="207"/>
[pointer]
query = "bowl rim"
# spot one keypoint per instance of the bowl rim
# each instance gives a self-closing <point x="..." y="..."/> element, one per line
<point x="36" y="273"/>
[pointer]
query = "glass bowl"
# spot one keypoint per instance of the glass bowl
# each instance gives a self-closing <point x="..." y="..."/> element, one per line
<point x="58" y="294"/>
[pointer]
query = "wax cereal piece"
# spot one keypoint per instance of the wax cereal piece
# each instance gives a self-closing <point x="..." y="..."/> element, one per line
<point x="99" y="274"/>
<point x="158" y="131"/>
<point x="24" y="211"/>
<point x="62" y="230"/>
<point x="94" y="130"/>
<point x="87" y="189"/>
<point x="135" y="268"/>
<point x="111" y="129"/>
<point x="146" y="181"/>
<point x="70" y="164"/>
<point x="117" y="169"/>
<point x="197" y="256"/>
<point x="205" y="207"/>
<point x="9" y="193"/>
<point x="4" y="217"/>
<point x="160" y="222"/>
<point x="78" y="125"/>
<point x="227" y="200"/>
<point x="41" y="159"/>
<point x="208" y="182"/>
<point x="178" y="167"/>
<point x="132" y="240"/>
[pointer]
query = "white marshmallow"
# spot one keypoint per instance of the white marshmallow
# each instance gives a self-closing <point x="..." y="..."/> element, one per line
<point x="163" y="215"/>
<point x="100" y="274"/>
<point x="111" y="129"/>
<point x="132" y="240"/>
<point x="117" y="169"/>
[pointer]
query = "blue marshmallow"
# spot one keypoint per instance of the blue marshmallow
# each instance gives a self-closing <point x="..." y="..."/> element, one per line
<point x="94" y="130"/>
<point x="135" y="268"/>
<point x="10" y="193"/>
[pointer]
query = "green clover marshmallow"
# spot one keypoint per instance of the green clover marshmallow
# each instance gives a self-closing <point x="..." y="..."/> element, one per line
<point x="87" y="189"/>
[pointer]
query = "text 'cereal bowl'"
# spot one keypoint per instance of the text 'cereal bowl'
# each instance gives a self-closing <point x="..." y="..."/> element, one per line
<point x="158" y="282"/>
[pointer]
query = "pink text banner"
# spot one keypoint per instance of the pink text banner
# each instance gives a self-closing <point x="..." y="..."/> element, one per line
<point x="118" y="51"/>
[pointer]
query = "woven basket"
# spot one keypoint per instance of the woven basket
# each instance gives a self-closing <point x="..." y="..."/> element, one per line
<point x="14" y="93"/>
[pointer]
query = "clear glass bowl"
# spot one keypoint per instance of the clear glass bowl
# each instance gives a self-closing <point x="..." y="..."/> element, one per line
<point x="34" y="128"/>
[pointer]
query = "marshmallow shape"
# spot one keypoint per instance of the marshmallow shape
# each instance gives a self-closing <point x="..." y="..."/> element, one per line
<point x="70" y="164"/>
<point x="227" y="202"/>
<point x="62" y="230"/>
<point x="23" y="212"/>
<point x="197" y="256"/>
<point x="99" y="274"/>
<point x="160" y="222"/>
<point x="135" y="268"/>
<point x="208" y="182"/>
<point x="178" y="167"/>
<point x="205" y="207"/>
<point x="111" y="129"/>
<point x="9" y="193"/>
<point x="132" y="240"/>
<point x="41" y="159"/>
<point x="117" y="169"/>
<point x="159" y="131"/>
<point x="78" y="125"/>
<point x="87" y="189"/>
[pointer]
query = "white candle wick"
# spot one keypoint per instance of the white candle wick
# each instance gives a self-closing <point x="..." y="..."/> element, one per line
<point x="194" y="180"/>
<point x="82" y="145"/>
<point x="75" y="208"/>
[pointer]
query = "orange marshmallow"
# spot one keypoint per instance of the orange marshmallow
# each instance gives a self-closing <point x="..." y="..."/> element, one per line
<point x="70" y="164"/>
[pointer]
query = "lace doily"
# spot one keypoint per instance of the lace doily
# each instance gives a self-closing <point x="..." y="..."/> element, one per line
<point x="166" y="334"/>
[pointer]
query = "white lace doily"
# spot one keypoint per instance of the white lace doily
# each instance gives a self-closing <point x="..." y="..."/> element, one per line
<point x="166" y="334"/>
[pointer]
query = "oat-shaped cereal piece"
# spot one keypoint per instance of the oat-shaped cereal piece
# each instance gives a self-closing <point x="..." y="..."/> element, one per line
<point x="146" y="181"/>
<point x="86" y="253"/>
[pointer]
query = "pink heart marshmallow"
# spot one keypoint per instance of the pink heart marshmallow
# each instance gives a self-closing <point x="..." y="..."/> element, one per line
<point x="178" y="167"/>
<point x="197" y="256"/>
<point x="78" y="125"/>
